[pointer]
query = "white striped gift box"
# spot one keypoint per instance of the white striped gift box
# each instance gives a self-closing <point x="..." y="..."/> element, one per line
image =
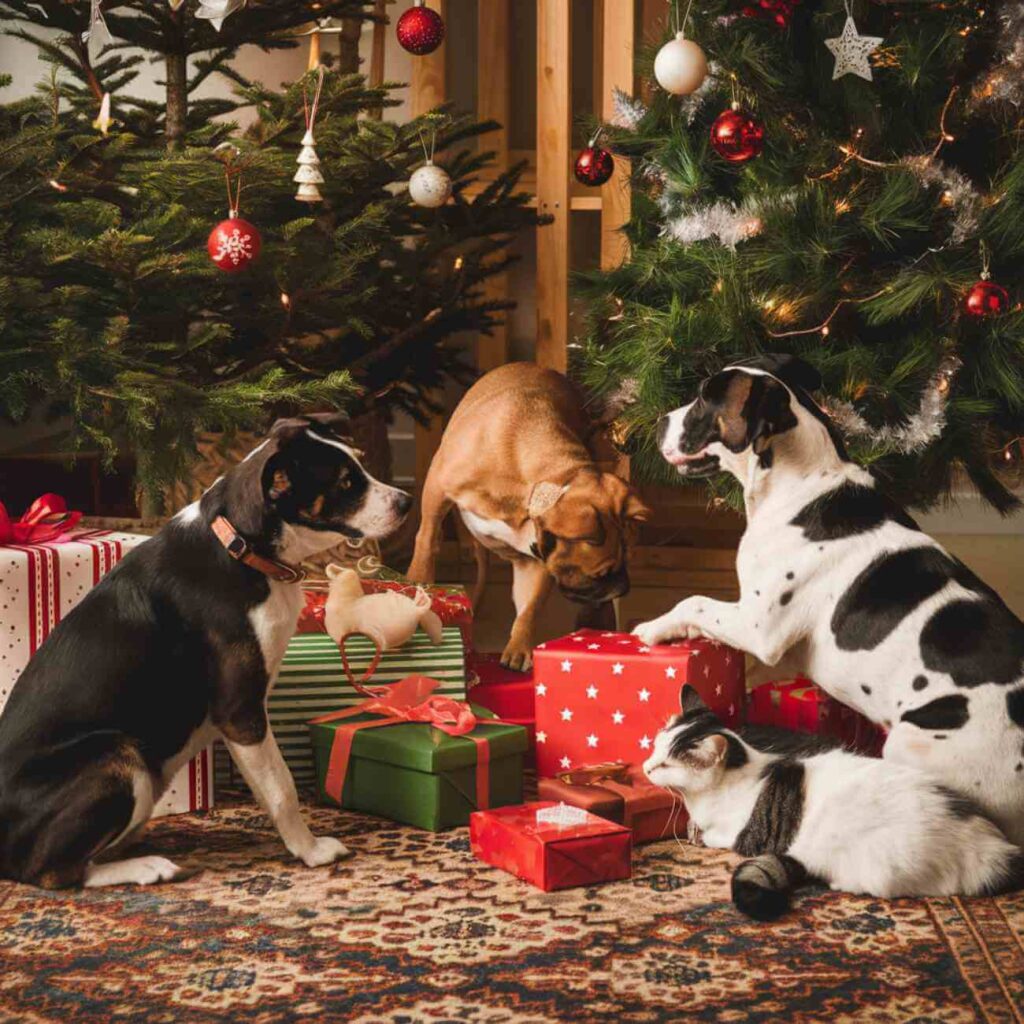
<point x="312" y="682"/>
<point x="39" y="585"/>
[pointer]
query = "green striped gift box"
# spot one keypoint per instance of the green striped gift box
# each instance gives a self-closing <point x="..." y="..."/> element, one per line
<point x="312" y="682"/>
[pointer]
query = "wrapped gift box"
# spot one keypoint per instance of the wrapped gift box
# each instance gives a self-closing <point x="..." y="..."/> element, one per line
<point x="39" y="585"/>
<point x="506" y="692"/>
<point x="413" y="773"/>
<point x="581" y="850"/>
<point x="449" y="601"/>
<point x="312" y="682"/>
<point x="604" y="696"/>
<point x="620" y="793"/>
<point x="800" y="705"/>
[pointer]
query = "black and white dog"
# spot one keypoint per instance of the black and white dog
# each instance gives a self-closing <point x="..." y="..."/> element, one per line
<point x="829" y="569"/>
<point x="179" y="644"/>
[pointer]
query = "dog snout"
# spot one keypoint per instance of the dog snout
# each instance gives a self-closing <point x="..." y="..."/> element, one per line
<point x="597" y="591"/>
<point x="402" y="503"/>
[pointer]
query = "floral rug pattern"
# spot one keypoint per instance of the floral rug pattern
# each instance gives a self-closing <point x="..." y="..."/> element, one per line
<point x="414" y="930"/>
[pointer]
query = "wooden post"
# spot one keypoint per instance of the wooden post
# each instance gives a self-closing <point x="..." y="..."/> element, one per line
<point x="376" y="76"/>
<point x="494" y="102"/>
<point x="617" y="60"/>
<point x="554" y="136"/>
<point x="429" y="84"/>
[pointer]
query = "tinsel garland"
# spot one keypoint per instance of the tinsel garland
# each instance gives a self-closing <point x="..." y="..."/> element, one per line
<point x="1004" y="81"/>
<point x="726" y="221"/>
<point x="958" y="193"/>
<point x="917" y="432"/>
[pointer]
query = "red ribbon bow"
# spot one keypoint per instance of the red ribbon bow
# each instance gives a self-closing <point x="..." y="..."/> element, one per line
<point x="409" y="700"/>
<point x="47" y="521"/>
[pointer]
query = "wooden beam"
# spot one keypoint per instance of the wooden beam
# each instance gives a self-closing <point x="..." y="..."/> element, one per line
<point x="494" y="102"/>
<point x="428" y="90"/>
<point x="376" y="76"/>
<point x="617" y="60"/>
<point x="554" y="136"/>
<point x="429" y="81"/>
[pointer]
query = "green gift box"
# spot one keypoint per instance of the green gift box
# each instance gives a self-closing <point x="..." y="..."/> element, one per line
<point x="414" y="773"/>
<point x="312" y="682"/>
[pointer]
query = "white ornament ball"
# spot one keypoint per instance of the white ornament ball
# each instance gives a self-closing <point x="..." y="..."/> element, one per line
<point x="680" y="66"/>
<point x="430" y="186"/>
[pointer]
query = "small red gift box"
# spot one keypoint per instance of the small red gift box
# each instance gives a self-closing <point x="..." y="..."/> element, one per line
<point x="620" y="793"/>
<point x="449" y="602"/>
<point x="575" y="848"/>
<point x="604" y="696"/>
<point x="800" y="705"/>
<point x="506" y="692"/>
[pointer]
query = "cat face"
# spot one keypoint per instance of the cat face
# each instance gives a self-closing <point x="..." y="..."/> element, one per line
<point x="694" y="750"/>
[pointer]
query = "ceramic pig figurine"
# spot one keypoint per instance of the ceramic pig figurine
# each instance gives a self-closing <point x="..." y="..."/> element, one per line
<point x="389" y="618"/>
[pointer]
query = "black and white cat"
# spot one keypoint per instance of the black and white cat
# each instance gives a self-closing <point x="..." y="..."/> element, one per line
<point x="861" y="824"/>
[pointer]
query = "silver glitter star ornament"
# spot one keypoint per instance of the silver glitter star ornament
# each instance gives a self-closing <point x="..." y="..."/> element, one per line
<point x="851" y="51"/>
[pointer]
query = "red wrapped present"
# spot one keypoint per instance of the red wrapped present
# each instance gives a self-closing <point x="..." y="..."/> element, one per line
<point x="449" y="602"/>
<point x="800" y="705"/>
<point x="506" y="692"/>
<point x="604" y="696"/>
<point x="551" y="845"/>
<point x="620" y="793"/>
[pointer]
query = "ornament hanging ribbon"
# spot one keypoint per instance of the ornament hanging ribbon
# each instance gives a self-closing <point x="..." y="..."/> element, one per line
<point x="47" y="521"/>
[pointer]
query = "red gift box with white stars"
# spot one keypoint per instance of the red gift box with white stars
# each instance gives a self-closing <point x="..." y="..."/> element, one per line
<point x="604" y="696"/>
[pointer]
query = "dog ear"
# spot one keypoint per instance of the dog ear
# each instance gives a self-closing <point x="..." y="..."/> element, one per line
<point x="769" y="413"/>
<point x="543" y="498"/>
<point x="791" y="370"/>
<point x="289" y="428"/>
<point x="634" y="510"/>
<point x="690" y="701"/>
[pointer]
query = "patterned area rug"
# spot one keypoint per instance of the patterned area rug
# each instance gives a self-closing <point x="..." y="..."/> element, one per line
<point x="413" y="930"/>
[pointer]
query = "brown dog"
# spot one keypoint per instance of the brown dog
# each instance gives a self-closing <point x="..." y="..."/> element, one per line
<point x="517" y="461"/>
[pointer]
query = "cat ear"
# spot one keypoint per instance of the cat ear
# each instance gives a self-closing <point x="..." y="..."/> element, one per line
<point x="689" y="700"/>
<point x="710" y="750"/>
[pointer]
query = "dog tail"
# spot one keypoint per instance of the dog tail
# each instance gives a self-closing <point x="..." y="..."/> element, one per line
<point x="761" y="887"/>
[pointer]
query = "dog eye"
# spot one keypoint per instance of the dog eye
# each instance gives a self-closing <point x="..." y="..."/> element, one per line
<point x="345" y="483"/>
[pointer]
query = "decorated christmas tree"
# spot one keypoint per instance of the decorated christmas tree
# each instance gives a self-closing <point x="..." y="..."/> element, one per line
<point x="842" y="182"/>
<point x="127" y="310"/>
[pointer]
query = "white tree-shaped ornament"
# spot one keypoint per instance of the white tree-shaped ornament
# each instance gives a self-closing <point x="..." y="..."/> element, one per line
<point x="308" y="176"/>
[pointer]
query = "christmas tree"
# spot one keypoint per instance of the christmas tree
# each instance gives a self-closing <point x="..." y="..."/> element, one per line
<point x="112" y="312"/>
<point x="853" y="195"/>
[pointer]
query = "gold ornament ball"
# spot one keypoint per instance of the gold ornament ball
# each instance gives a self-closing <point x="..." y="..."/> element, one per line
<point x="680" y="66"/>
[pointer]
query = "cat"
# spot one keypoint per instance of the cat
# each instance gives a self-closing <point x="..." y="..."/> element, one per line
<point x="806" y="810"/>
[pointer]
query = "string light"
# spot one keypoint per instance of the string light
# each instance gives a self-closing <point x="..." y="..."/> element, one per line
<point x="286" y="300"/>
<point x="57" y="185"/>
<point x="458" y="262"/>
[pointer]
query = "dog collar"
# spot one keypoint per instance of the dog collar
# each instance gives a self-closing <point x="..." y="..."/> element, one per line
<point x="238" y="548"/>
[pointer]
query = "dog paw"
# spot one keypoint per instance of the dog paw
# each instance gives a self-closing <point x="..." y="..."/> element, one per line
<point x="657" y="631"/>
<point x="134" y="871"/>
<point x="325" y="850"/>
<point x="517" y="656"/>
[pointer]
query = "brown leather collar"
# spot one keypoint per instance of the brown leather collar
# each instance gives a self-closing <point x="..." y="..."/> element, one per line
<point x="238" y="548"/>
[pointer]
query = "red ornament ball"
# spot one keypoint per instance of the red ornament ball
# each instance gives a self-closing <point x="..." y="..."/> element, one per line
<point x="233" y="244"/>
<point x="736" y="136"/>
<point x="420" y="30"/>
<point x="594" y="166"/>
<point x="986" y="298"/>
